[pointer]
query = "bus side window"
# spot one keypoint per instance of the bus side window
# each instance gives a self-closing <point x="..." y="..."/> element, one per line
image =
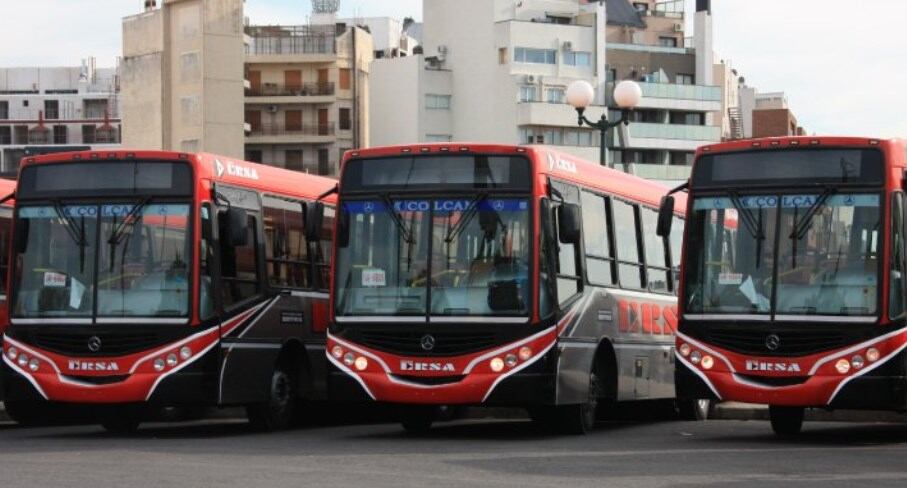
<point x="597" y="239"/>
<point x="896" y="283"/>
<point x="206" y="255"/>
<point x="546" y="238"/>
<point x="676" y="251"/>
<point x="569" y="267"/>
<point x="238" y="265"/>
<point x="323" y="250"/>
<point x="656" y="252"/>
<point x="286" y="250"/>
<point x="5" y="223"/>
<point x="630" y="264"/>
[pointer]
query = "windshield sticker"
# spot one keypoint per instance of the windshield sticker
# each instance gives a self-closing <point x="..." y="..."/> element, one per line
<point x="730" y="278"/>
<point x="373" y="278"/>
<point x="76" y="291"/>
<point x="54" y="280"/>
<point x="787" y="201"/>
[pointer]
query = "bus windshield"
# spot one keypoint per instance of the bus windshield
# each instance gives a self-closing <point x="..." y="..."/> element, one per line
<point x="114" y="260"/>
<point x="823" y="259"/>
<point x="467" y="257"/>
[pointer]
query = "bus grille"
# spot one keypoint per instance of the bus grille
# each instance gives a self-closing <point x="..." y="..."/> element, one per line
<point x="115" y="344"/>
<point x="793" y="343"/>
<point x="410" y="343"/>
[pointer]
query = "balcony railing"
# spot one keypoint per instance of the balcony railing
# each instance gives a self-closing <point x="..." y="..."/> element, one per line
<point x="649" y="48"/>
<point x="283" y="40"/>
<point x="6" y="139"/>
<point x="293" y="130"/>
<point x="301" y="90"/>
<point x="675" y="131"/>
<point x="703" y="93"/>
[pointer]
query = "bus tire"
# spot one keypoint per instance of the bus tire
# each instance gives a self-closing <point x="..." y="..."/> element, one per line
<point x="786" y="421"/>
<point x="279" y="411"/>
<point x="579" y="419"/>
<point x="122" y="420"/>
<point x="25" y="413"/>
<point x="418" y="420"/>
<point x="695" y="410"/>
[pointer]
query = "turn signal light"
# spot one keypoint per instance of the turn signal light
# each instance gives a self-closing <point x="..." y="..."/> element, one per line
<point x="843" y="366"/>
<point x="497" y="365"/>
<point x="872" y="354"/>
<point x="525" y="353"/>
<point x="361" y="363"/>
<point x="707" y="362"/>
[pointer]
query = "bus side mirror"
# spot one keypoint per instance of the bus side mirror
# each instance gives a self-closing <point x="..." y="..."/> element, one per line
<point x="314" y="221"/>
<point x="21" y="231"/>
<point x="237" y="227"/>
<point x="665" y="217"/>
<point x="569" y="223"/>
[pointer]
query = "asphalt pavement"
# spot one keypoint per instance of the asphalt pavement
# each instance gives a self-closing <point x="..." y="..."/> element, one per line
<point x="477" y="452"/>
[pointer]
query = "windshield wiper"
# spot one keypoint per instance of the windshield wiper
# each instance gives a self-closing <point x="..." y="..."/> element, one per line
<point x="747" y="216"/>
<point x="467" y="217"/>
<point x="119" y="230"/>
<point x="75" y="230"/>
<point x="398" y="220"/>
<point x="802" y="226"/>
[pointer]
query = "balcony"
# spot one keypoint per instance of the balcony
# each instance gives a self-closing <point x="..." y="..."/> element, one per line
<point x="291" y="134"/>
<point x="273" y="93"/>
<point x="675" y="137"/>
<point x="671" y="96"/>
<point x="649" y="48"/>
<point x="282" y="43"/>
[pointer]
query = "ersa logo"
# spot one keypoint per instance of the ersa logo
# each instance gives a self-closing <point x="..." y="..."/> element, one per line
<point x="646" y="318"/>
<point x="407" y="365"/>
<point x="234" y="169"/>
<point x="75" y="365"/>
<point x="561" y="164"/>
<point x="752" y="365"/>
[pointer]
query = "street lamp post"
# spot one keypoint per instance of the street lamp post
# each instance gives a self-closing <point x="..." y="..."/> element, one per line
<point x="627" y="95"/>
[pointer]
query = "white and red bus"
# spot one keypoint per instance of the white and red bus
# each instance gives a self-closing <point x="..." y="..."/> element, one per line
<point x="144" y="279"/>
<point x="471" y="274"/>
<point x="7" y="192"/>
<point x="793" y="291"/>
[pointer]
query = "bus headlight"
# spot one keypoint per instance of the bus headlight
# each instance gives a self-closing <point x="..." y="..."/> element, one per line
<point x="172" y="360"/>
<point x="185" y="352"/>
<point x="159" y="364"/>
<point x="857" y="361"/>
<point x="33" y="365"/>
<point x="337" y="352"/>
<point x="872" y="354"/>
<point x="684" y="350"/>
<point x="525" y="353"/>
<point x="510" y="360"/>
<point x="843" y="366"/>
<point x="707" y="362"/>
<point x="12" y="353"/>
<point x="349" y="359"/>
<point x="23" y="360"/>
<point x="361" y="363"/>
<point x="695" y="357"/>
<point x="497" y="364"/>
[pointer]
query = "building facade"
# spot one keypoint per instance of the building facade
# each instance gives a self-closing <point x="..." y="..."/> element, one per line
<point x="307" y="92"/>
<point x="183" y="77"/>
<point x="54" y="109"/>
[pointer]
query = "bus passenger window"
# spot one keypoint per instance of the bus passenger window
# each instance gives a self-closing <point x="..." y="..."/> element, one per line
<point x="628" y="257"/>
<point x="656" y="252"/>
<point x="569" y="268"/>
<point x="206" y="255"/>
<point x="599" y="259"/>
<point x="323" y="249"/>
<point x="239" y="265"/>
<point x="676" y="251"/>
<point x="896" y="298"/>
<point x="286" y="251"/>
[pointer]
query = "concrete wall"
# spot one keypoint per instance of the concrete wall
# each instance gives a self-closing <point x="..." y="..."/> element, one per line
<point x="396" y="100"/>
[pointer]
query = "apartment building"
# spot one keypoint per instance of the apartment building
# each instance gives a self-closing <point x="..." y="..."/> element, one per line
<point x="497" y="70"/>
<point x="307" y="92"/>
<point x="390" y="37"/>
<point x="56" y="108"/>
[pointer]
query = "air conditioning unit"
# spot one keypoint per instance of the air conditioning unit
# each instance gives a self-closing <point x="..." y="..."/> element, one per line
<point x="530" y="79"/>
<point x="272" y="109"/>
<point x="442" y="49"/>
<point x="568" y="46"/>
<point x="678" y="27"/>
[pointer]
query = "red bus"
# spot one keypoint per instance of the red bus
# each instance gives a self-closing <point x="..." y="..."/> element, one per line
<point x="7" y="191"/>
<point x="792" y="288"/>
<point x="475" y="274"/>
<point x="145" y="279"/>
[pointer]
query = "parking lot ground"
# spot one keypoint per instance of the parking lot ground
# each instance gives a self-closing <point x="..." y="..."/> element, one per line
<point x="478" y="452"/>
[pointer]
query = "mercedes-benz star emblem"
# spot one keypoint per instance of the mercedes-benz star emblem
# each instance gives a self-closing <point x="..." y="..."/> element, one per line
<point x="772" y="342"/>
<point x="94" y="343"/>
<point x="428" y="342"/>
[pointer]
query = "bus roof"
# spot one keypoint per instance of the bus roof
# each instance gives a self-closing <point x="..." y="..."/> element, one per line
<point x="894" y="147"/>
<point x="551" y="162"/>
<point x="213" y="167"/>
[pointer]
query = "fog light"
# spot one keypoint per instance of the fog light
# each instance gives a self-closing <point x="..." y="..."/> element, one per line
<point x="497" y="364"/>
<point x="337" y="352"/>
<point x="361" y="363"/>
<point x="23" y="360"/>
<point x="349" y="359"/>
<point x="684" y="350"/>
<point x="172" y="359"/>
<point x="12" y="353"/>
<point x="510" y="360"/>
<point x="843" y="366"/>
<point x="695" y="357"/>
<point x="33" y="365"/>
<point x="525" y="353"/>
<point x="159" y="364"/>
<point x="707" y="362"/>
<point x="857" y="361"/>
<point x="185" y="352"/>
<point x="872" y="354"/>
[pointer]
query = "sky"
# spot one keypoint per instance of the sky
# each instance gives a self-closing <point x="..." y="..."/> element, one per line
<point x="820" y="52"/>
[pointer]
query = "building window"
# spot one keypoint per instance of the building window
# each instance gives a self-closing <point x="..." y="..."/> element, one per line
<point x="4" y="110"/>
<point x="685" y="79"/>
<point x="20" y="134"/>
<point x="555" y="95"/>
<point x="682" y="158"/>
<point x="293" y="160"/>
<point x="667" y="41"/>
<point x="502" y="55"/>
<point x="88" y="134"/>
<point x="6" y="135"/>
<point x="61" y="134"/>
<point x="438" y="138"/>
<point x="687" y="118"/>
<point x="346" y="121"/>
<point x="537" y="56"/>
<point x="324" y="165"/>
<point x="527" y="93"/>
<point x="51" y="109"/>
<point x="254" y="155"/>
<point x="578" y="58"/>
<point x="346" y="77"/>
<point x="437" y="102"/>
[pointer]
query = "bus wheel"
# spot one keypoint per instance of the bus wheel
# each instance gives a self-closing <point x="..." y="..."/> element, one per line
<point x="122" y="420"/>
<point x="786" y="420"/>
<point x="698" y="409"/>
<point x="419" y="419"/>
<point x="26" y="414"/>
<point x="278" y="412"/>
<point x="580" y="419"/>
